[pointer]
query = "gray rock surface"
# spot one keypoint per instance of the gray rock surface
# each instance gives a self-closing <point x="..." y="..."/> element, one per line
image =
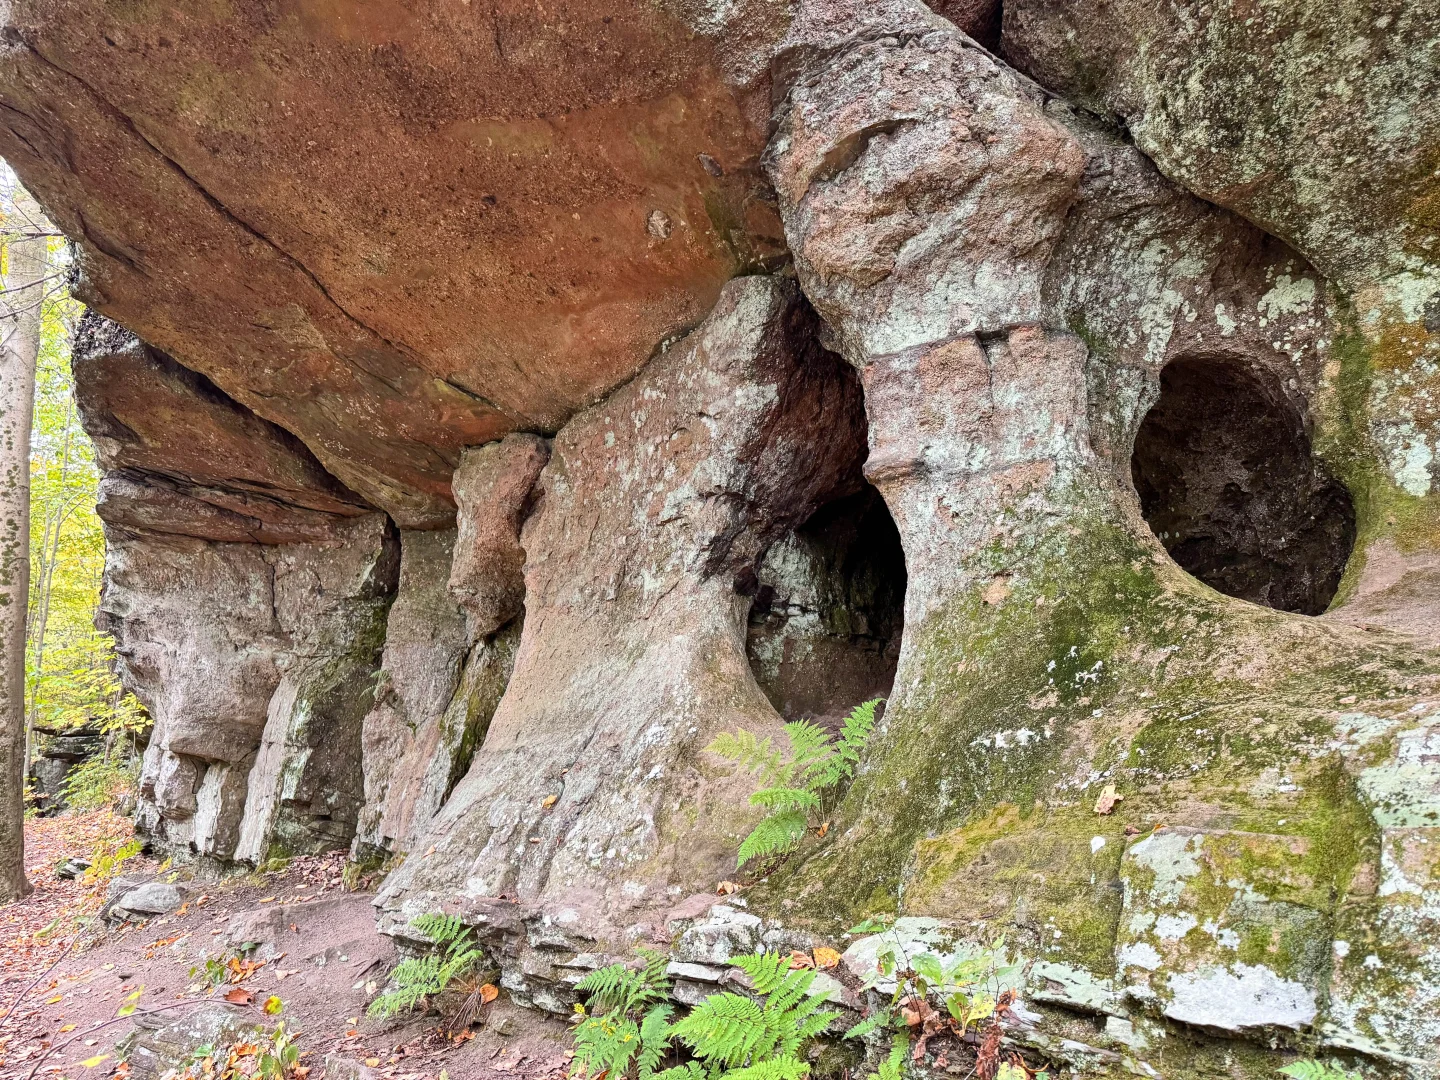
<point x="632" y="655"/>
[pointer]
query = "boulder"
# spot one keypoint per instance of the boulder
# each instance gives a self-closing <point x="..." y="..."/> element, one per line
<point x="145" y="900"/>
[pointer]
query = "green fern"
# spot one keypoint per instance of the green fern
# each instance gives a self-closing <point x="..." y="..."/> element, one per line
<point x="1308" y="1069"/>
<point x="753" y="755"/>
<point x="730" y="1032"/>
<point x="893" y="1067"/>
<point x="780" y="1068"/>
<point x="793" y="790"/>
<point x="421" y="978"/>
<point x="629" y="1030"/>
<point x="774" y="835"/>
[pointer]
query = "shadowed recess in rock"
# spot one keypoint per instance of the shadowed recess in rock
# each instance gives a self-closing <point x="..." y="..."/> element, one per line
<point x="829" y="607"/>
<point x="1228" y="483"/>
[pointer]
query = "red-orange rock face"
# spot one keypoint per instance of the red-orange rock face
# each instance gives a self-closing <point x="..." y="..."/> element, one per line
<point x="399" y="230"/>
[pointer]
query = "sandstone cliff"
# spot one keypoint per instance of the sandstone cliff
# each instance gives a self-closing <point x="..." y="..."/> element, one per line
<point x="497" y="402"/>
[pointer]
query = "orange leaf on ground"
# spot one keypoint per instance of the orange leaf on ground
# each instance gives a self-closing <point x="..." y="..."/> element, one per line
<point x="725" y="888"/>
<point x="239" y="996"/>
<point x="825" y="959"/>
<point x="488" y="993"/>
<point x="799" y="959"/>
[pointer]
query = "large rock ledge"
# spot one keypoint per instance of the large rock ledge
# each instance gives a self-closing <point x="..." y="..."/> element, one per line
<point x="444" y="522"/>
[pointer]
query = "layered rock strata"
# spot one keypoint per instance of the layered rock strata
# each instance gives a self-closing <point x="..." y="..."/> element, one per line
<point x="246" y="590"/>
<point x="1148" y="374"/>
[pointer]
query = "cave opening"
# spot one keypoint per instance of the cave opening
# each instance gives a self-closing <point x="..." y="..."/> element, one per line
<point x="1230" y="485"/>
<point x="829" y="609"/>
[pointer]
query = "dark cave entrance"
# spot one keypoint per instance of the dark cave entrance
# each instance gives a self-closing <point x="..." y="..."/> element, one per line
<point x="826" y="621"/>
<point x="1229" y="484"/>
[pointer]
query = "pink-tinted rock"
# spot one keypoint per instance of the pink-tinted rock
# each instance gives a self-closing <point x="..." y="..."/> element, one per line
<point x="557" y="193"/>
<point x="494" y="488"/>
<point x="633" y="651"/>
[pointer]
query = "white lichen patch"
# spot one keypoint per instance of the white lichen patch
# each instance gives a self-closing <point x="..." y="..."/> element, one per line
<point x="1404" y="792"/>
<point x="1239" y="997"/>
<point x="1289" y="296"/>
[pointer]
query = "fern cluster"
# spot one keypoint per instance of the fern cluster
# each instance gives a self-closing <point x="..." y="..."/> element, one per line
<point x="794" y="790"/>
<point x="626" y="1030"/>
<point x="423" y="977"/>
<point x="734" y="1037"/>
<point x="731" y="1036"/>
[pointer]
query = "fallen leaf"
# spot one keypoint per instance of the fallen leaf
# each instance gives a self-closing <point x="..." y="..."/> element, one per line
<point x="372" y="1062"/>
<point x="301" y="1071"/>
<point x="266" y="900"/>
<point x="1108" y="798"/>
<point x="90" y="1063"/>
<point x="272" y="1005"/>
<point x="825" y="958"/>
<point x="488" y="993"/>
<point x="55" y="1000"/>
<point x="67" y="1027"/>
<point x="431" y="851"/>
<point x="239" y="996"/>
<point x="799" y="959"/>
<point x="725" y="888"/>
<point x="1132" y="830"/>
<point x="549" y="801"/>
<point x="822" y="830"/>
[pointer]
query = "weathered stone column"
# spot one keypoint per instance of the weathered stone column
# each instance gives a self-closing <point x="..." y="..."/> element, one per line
<point x="589" y="805"/>
<point x="1010" y="280"/>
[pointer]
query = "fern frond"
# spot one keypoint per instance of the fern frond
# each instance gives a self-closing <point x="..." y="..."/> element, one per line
<point x="854" y="735"/>
<point x="780" y="799"/>
<point x="752" y="754"/>
<point x="866" y="1026"/>
<point x="691" y="1070"/>
<point x="793" y="989"/>
<point x="606" y="1044"/>
<point x="724" y="1029"/>
<point x="441" y="929"/>
<point x="783" y="1067"/>
<point x="857" y="729"/>
<point x="766" y="970"/>
<point x="809" y="751"/>
<point x="893" y="1067"/>
<point x="773" y="835"/>
<point x="654" y="1040"/>
<point x="622" y="989"/>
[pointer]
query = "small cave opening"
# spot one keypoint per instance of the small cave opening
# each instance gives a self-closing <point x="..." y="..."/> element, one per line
<point x="826" y="620"/>
<point x="1229" y="484"/>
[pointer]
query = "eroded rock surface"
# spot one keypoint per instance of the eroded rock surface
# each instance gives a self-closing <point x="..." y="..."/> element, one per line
<point x="1177" y="318"/>
<point x="217" y="168"/>
<point x="589" y="802"/>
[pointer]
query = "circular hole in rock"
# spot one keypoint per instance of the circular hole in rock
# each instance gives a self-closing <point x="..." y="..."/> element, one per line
<point x="828" y="612"/>
<point x="1229" y="484"/>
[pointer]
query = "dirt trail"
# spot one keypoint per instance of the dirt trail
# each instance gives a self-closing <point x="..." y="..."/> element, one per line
<point x="326" y="963"/>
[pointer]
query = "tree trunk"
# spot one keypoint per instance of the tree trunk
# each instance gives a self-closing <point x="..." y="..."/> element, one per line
<point x="20" y="303"/>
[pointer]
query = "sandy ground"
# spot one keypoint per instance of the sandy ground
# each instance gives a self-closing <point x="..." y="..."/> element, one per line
<point x="65" y="974"/>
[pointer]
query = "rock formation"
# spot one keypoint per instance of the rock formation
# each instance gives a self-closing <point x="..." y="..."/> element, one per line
<point x="499" y="404"/>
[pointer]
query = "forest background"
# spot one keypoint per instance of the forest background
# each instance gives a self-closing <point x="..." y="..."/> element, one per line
<point x="69" y="665"/>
